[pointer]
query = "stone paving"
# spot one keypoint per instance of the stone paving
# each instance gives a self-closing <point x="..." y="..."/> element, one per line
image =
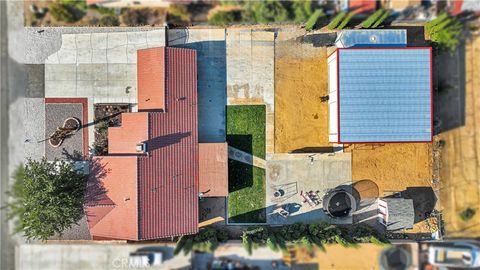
<point x="294" y="173"/>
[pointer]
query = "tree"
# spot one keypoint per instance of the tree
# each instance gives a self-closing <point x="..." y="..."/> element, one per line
<point x="109" y="20"/>
<point x="372" y="18"/>
<point x="47" y="198"/>
<point x="266" y="11"/>
<point x="302" y="10"/>
<point x="337" y="20"/>
<point x="313" y="20"/>
<point x="445" y="31"/>
<point x="222" y="17"/>
<point x="206" y="240"/>
<point x="65" y="12"/>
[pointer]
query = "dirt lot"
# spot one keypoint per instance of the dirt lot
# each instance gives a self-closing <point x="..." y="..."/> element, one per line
<point x="460" y="165"/>
<point x="393" y="167"/>
<point x="301" y="120"/>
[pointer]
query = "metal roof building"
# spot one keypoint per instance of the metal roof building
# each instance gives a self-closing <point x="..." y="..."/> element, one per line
<point x="380" y="95"/>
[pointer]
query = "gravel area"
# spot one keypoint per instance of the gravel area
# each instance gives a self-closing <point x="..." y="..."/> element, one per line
<point x="76" y="232"/>
<point x="54" y="117"/>
<point x="41" y="42"/>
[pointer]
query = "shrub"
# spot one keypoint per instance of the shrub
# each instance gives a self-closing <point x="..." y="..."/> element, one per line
<point x="47" y="198"/>
<point x="109" y="21"/>
<point x="265" y="11"/>
<point x="302" y="10"/>
<point x="64" y="12"/>
<point x="372" y="18"/>
<point x="223" y="18"/>
<point x="467" y="214"/>
<point x="445" y="31"/>
<point x="178" y="13"/>
<point x="206" y="240"/>
<point x="345" y="21"/>
<point x="313" y="20"/>
<point x="139" y="16"/>
<point x="384" y="16"/>
<point x="337" y="20"/>
<point x="103" y="10"/>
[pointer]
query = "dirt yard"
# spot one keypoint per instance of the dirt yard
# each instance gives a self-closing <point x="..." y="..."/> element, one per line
<point x="301" y="119"/>
<point x="460" y="164"/>
<point x="393" y="167"/>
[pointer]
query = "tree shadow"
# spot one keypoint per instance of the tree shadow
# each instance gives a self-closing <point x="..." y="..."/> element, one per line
<point x="96" y="194"/>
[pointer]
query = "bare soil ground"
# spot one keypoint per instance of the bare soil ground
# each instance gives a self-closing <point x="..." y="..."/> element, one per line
<point x="460" y="163"/>
<point x="301" y="78"/>
<point x="393" y="167"/>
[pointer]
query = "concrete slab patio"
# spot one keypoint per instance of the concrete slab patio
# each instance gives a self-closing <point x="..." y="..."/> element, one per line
<point x="305" y="172"/>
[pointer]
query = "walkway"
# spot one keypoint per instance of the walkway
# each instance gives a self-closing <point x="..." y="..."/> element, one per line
<point x="239" y="155"/>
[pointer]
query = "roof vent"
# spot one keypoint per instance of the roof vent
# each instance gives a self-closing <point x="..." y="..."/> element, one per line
<point x="141" y="148"/>
<point x="373" y="38"/>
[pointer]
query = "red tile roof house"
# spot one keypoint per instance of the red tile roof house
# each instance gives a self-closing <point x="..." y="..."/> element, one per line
<point x="148" y="185"/>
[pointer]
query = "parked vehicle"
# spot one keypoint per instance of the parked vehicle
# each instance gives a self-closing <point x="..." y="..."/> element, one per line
<point x="459" y="254"/>
<point x="145" y="258"/>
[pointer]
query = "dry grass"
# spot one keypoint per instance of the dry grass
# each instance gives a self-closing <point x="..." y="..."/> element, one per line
<point x="393" y="167"/>
<point x="460" y="166"/>
<point x="301" y="78"/>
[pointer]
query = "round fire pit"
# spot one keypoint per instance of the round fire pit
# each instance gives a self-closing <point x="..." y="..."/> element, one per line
<point x="339" y="203"/>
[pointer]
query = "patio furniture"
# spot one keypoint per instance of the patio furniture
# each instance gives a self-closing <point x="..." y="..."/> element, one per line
<point x="307" y="199"/>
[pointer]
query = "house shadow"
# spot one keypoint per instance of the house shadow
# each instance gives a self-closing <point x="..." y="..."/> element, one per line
<point x="320" y="149"/>
<point x="166" y="140"/>
<point x="240" y="174"/>
<point x="212" y="83"/>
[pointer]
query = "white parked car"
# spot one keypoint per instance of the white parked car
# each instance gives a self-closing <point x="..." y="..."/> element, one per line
<point x="145" y="258"/>
<point x="455" y="254"/>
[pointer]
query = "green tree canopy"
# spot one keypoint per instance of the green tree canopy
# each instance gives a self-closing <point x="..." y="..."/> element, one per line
<point x="445" y="31"/>
<point x="46" y="198"/>
<point x="302" y="10"/>
<point x="266" y="11"/>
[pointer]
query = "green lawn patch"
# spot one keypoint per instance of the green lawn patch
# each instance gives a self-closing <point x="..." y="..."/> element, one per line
<point x="246" y="128"/>
<point x="246" y="183"/>
<point x="246" y="197"/>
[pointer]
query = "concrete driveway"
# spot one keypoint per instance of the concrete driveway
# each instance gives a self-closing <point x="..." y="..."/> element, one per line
<point x="294" y="173"/>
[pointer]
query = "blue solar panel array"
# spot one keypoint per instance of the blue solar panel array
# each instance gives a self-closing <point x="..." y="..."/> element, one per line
<point x="384" y="95"/>
<point x="373" y="38"/>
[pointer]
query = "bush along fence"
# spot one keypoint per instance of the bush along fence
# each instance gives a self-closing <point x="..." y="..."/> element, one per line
<point x="445" y="31"/>
<point x="280" y="238"/>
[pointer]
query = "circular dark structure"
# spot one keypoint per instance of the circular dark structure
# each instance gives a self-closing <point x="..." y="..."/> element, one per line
<point x="339" y="203"/>
<point x="395" y="258"/>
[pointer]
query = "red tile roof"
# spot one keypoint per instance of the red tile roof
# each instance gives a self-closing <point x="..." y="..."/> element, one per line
<point x="151" y="79"/>
<point x="167" y="177"/>
<point x="168" y="188"/>
<point x="124" y="139"/>
<point x="112" y="197"/>
<point x="362" y="6"/>
<point x="213" y="169"/>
